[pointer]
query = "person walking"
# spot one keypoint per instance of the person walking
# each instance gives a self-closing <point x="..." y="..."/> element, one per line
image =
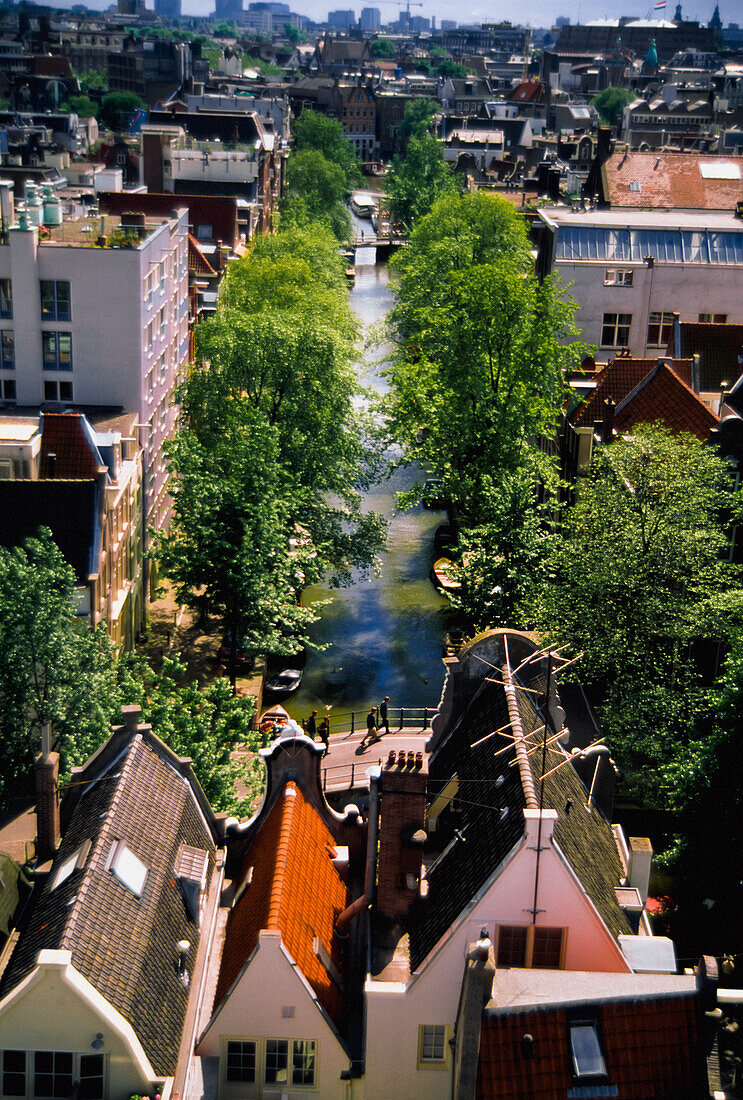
<point x="324" y="731"/>
<point x="371" y="727"/>
<point x="384" y="714"/>
<point x="311" y="725"/>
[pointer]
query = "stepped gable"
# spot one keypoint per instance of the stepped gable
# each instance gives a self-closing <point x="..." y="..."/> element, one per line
<point x="494" y="789"/>
<point x="125" y="944"/>
<point x="618" y="379"/>
<point x="289" y="884"/>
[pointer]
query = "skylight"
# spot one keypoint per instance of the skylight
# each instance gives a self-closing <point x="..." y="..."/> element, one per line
<point x="65" y="870"/>
<point x="129" y="870"/>
<point x="588" y="1060"/>
<point x="719" y="170"/>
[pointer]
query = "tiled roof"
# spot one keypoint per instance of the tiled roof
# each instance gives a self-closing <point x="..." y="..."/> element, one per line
<point x="197" y="261"/>
<point x="490" y="819"/>
<point x="68" y="508"/>
<point x="651" y="1048"/>
<point x="717" y="346"/>
<point x="618" y="379"/>
<point x="663" y="396"/>
<point x="529" y="91"/>
<point x="296" y="889"/>
<point x="671" y="180"/>
<point x="123" y="944"/>
<point x="64" y="435"/>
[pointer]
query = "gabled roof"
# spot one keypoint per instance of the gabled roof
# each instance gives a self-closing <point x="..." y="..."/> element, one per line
<point x="618" y="379"/>
<point x="125" y="945"/>
<point x="661" y="395"/>
<point x="651" y="1047"/>
<point x="673" y="180"/>
<point x="495" y="787"/>
<point x="289" y="884"/>
<point x="67" y="437"/>
<point x="197" y="261"/>
<point x="529" y="91"/>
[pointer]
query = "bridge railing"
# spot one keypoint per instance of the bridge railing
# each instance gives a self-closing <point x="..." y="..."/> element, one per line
<point x="400" y="718"/>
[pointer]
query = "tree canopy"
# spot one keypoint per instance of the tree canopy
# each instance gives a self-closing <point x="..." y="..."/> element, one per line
<point x="418" y="117"/>
<point x="383" y="47"/>
<point x="316" y="132"/>
<point x="315" y="191"/>
<point x="414" y="182"/>
<point x="117" y="108"/>
<point x="610" y="104"/>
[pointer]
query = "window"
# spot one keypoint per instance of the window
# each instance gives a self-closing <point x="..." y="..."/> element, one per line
<point x="277" y="1061"/>
<point x="241" y="1062"/>
<point x="52" y="1073"/>
<point x="7" y="349"/>
<point x="7" y="389"/>
<point x="57" y="350"/>
<point x="57" y="391"/>
<point x="714" y="318"/>
<point x="127" y="868"/>
<point x="529" y="946"/>
<point x="6" y="298"/>
<point x="432" y="1043"/>
<point x="91" y="1077"/>
<point x="585" y="1048"/>
<point x="14" y="1073"/>
<point x="618" y="276"/>
<point x="55" y="301"/>
<point x="303" y="1062"/>
<point x="615" y="330"/>
<point x="660" y="329"/>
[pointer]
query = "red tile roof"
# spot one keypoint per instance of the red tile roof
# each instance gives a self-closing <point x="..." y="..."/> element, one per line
<point x="529" y="91"/>
<point x="661" y="395"/>
<point x="63" y="435"/>
<point x="651" y="1048"/>
<point x="618" y="379"/>
<point x="295" y="889"/>
<point x="197" y="261"/>
<point x="670" y="181"/>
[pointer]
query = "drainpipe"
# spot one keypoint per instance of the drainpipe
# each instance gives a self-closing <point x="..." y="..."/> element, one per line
<point x="361" y="903"/>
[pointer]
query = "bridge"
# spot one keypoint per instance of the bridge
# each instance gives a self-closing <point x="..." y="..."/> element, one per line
<point x="383" y="244"/>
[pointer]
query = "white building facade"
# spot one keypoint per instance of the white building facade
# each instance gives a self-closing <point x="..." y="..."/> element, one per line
<point x="99" y="321"/>
<point x="631" y="270"/>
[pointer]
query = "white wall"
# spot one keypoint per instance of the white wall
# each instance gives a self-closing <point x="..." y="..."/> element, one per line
<point x="254" y="1011"/>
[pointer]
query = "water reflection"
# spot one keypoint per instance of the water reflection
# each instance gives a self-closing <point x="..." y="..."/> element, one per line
<point x="384" y="634"/>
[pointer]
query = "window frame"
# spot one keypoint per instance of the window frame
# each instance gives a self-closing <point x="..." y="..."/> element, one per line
<point x="57" y="308"/>
<point x="55" y="361"/>
<point x="425" y="1062"/>
<point x="6" y="300"/>
<point x="663" y="325"/>
<point x="241" y="1080"/>
<point x="619" y="276"/>
<point x="14" y="1073"/>
<point x="57" y="1090"/>
<point x="7" y="349"/>
<point x="533" y="932"/>
<point x="591" y="1076"/>
<point x="616" y="327"/>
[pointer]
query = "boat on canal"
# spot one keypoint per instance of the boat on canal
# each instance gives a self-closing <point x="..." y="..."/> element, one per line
<point x="445" y="574"/>
<point x="363" y="205"/>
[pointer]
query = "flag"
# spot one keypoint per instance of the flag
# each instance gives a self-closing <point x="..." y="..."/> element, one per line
<point x="659" y="6"/>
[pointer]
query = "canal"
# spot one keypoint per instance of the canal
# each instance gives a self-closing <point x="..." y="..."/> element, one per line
<point x="384" y="634"/>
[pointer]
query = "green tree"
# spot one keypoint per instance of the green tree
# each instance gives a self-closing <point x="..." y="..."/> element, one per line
<point x="117" y="108"/>
<point x="383" y="47"/>
<point x="92" y="80"/>
<point x="81" y="106"/>
<point x="224" y="29"/>
<point x="640" y="586"/>
<point x="415" y="182"/>
<point x="418" y="118"/>
<point x="292" y="33"/>
<point x="610" y="104"/>
<point x="482" y="349"/>
<point x="452" y="69"/>
<point x="317" y="133"/>
<point x="52" y="666"/>
<point x="315" y="191"/>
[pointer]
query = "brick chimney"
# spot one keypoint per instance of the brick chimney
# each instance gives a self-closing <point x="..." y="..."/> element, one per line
<point x="401" y="834"/>
<point x="47" y="798"/>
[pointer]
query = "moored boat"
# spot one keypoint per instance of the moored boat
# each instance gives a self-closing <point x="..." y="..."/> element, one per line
<point x="444" y="573"/>
<point x="363" y="205"/>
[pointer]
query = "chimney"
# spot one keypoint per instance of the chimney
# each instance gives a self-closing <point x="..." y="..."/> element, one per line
<point x="47" y="797"/>
<point x="477" y="989"/>
<point x="640" y="859"/>
<point x="401" y="833"/>
<point x="695" y="372"/>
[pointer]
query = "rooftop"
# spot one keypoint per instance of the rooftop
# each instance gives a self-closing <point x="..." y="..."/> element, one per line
<point x="673" y="180"/>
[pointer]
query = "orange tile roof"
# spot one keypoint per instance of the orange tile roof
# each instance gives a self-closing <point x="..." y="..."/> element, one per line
<point x="651" y="1048"/>
<point x="661" y="395"/>
<point x="670" y="181"/>
<point x="63" y="435"/>
<point x="295" y="889"/>
<point x="197" y="261"/>
<point x="618" y="379"/>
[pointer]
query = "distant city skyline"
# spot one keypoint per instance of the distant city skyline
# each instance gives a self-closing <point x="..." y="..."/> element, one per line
<point x="542" y="13"/>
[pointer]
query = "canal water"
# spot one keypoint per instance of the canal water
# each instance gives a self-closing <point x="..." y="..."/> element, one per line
<point x="384" y="634"/>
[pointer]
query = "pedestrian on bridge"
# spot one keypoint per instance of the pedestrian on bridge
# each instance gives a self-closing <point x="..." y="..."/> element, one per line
<point x="324" y="731"/>
<point x="311" y="725"/>
<point x="384" y="714"/>
<point x="371" y="727"/>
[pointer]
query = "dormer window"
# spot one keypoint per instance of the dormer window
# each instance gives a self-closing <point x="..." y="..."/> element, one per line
<point x="585" y="1048"/>
<point x="129" y="870"/>
<point x="191" y="868"/>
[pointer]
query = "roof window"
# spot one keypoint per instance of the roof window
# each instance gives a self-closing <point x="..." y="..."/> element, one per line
<point x="71" y="864"/>
<point x="127" y="868"/>
<point x="635" y="185"/>
<point x="588" y="1061"/>
<point x="191" y="868"/>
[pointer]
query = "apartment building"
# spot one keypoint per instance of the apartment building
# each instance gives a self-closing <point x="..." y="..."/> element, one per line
<point x="94" y="312"/>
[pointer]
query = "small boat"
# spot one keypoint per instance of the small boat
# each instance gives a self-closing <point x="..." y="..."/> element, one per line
<point x="363" y="205"/>
<point x="275" y="716"/>
<point x="444" y="573"/>
<point x="284" y="682"/>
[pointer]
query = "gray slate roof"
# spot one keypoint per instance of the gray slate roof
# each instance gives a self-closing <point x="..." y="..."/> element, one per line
<point x="489" y="821"/>
<point x="123" y="944"/>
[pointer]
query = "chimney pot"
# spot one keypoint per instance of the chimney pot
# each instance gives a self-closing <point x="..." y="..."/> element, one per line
<point x="391" y="759"/>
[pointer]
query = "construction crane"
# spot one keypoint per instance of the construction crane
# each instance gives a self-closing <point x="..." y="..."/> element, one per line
<point x="404" y="7"/>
